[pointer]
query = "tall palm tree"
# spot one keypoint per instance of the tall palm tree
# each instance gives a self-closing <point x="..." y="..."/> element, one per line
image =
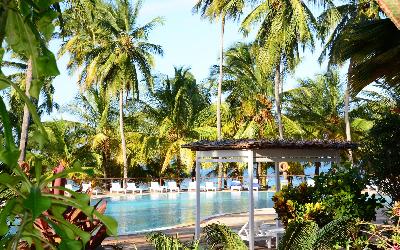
<point x="220" y="9"/>
<point x="337" y="22"/>
<point x="286" y="27"/>
<point x="96" y="111"/>
<point x="243" y="78"/>
<point x="174" y="109"/>
<point x="119" y="53"/>
<point x="19" y="112"/>
<point x="317" y="105"/>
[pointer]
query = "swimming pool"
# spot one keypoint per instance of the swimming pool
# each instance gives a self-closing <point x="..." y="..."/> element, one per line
<point x="139" y="213"/>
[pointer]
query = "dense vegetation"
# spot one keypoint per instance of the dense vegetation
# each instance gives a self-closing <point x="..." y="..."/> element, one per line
<point x="131" y="122"/>
<point x="122" y="132"/>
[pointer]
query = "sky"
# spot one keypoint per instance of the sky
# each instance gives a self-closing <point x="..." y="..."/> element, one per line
<point x="187" y="39"/>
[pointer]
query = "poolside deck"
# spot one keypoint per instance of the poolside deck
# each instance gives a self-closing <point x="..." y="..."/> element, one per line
<point x="186" y="232"/>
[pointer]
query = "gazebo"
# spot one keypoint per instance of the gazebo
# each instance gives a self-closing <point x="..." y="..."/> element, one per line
<point x="252" y="151"/>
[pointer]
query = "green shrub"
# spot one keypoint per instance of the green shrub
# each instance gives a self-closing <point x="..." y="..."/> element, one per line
<point x="336" y="193"/>
<point x="306" y="235"/>
<point x="380" y="151"/>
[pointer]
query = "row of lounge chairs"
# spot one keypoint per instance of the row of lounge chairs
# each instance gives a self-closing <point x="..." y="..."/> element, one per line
<point x="170" y="186"/>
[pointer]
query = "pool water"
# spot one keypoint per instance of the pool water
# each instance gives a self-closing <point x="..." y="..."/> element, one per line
<point x="138" y="213"/>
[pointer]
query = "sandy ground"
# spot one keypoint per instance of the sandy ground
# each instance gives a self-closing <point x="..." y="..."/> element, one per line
<point x="186" y="232"/>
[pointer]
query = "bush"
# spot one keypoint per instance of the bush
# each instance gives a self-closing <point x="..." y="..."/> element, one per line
<point x="381" y="155"/>
<point x="336" y="194"/>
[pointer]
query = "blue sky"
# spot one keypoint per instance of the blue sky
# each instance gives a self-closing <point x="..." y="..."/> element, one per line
<point x="187" y="40"/>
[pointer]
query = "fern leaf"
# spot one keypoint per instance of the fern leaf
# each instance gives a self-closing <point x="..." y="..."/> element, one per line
<point x="299" y="235"/>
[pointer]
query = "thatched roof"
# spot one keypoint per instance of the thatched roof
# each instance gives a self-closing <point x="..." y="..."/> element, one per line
<point x="268" y="144"/>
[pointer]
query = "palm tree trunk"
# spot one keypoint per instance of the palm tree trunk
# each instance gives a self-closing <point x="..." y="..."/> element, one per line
<point x="219" y="97"/>
<point x="278" y="115"/>
<point x="277" y="99"/>
<point x="26" y="117"/>
<point x="121" y="130"/>
<point x="346" y="114"/>
<point x="317" y="168"/>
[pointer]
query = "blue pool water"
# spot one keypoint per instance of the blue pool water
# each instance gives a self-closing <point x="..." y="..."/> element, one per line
<point x="138" y="213"/>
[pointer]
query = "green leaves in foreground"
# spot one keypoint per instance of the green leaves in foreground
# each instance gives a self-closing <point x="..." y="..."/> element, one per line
<point x="305" y="235"/>
<point x="217" y="235"/>
<point x="36" y="203"/>
<point x="162" y="242"/>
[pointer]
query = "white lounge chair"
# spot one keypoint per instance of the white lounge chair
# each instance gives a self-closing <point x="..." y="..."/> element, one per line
<point x="236" y="185"/>
<point x="270" y="233"/>
<point x="116" y="187"/>
<point x="192" y="186"/>
<point x="284" y="183"/>
<point x="155" y="186"/>
<point x="310" y="182"/>
<point x="86" y="187"/>
<point x="256" y="185"/>
<point x="210" y="186"/>
<point x="171" y="186"/>
<point x="68" y="186"/>
<point x="372" y="188"/>
<point x="244" y="232"/>
<point x="132" y="187"/>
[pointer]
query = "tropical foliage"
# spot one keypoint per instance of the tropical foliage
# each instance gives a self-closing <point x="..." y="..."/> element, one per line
<point x="131" y="121"/>
<point x="336" y="194"/>
<point x="306" y="235"/>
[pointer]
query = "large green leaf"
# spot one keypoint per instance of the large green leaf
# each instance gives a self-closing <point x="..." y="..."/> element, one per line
<point x="9" y="180"/>
<point x="36" y="203"/>
<point x="9" y="139"/>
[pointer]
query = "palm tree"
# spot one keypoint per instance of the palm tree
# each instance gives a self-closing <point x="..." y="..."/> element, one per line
<point x="96" y="111"/>
<point x="120" y="51"/>
<point x="221" y="9"/>
<point x="285" y="27"/>
<point x="317" y="106"/>
<point x="243" y="77"/>
<point x="19" y="112"/>
<point x="337" y="23"/>
<point x="177" y="104"/>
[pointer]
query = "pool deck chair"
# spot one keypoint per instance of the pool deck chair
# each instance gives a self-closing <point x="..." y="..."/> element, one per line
<point x="271" y="233"/>
<point x="284" y="183"/>
<point x="236" y="185"/>
<point x="155" y="186"/>
<point x="310" y="182"/>
<point x="256" y="185"/>
<point x="68" y="186"/>
<point x="86" y="187"/>
<point x="192" y="187"/>
<point x="171" y="186"/>
<point x="132" y="187"/>
<point x="259" y="234"/>
<point x="116" y="187"/>
<point x="210" y="186"/>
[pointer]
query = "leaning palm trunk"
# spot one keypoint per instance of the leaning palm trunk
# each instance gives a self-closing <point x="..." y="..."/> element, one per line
<point x="26" y="117"/>
<point x="277" y="99"/>
<point x="346" y="114"/>
<point x="278" y="114"/>
<point x="219" y="97"/>
<point x="121" y="130"/>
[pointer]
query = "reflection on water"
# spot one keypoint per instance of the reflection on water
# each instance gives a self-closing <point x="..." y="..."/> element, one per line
<point x="136" y="213"/>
